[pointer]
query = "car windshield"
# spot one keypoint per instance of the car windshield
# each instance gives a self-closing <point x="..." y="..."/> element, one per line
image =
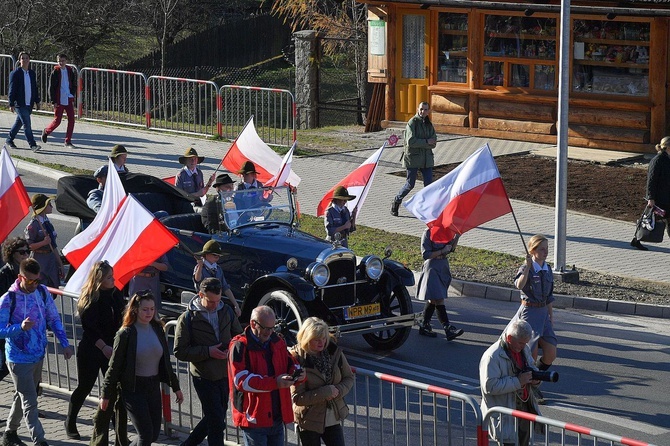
<point x="250" y="206"/>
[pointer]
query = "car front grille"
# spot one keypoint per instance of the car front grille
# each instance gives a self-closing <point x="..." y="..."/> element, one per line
<point x="341" y="290"/>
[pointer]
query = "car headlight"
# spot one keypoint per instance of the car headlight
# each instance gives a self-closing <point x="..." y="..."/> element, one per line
<point x="374" y="267"/>
<point x="318" y="273"/>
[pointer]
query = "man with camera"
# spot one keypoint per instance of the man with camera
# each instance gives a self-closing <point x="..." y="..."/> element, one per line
<point x="261" y="373"/>
<point x="506" y="372"/>
<point x="202" y="336"/>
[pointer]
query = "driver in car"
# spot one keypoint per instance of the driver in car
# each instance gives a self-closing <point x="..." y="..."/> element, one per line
<point x="254" y="198"/>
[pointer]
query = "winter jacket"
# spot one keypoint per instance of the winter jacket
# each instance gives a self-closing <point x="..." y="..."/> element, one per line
<point x="251" y="385"/>
<point x="102" y="318"/>
<point x="499" y="384"/>
<point x="309" y="396"/>
<point x="417" y="152"/>
<point x="17" y="92"/>
<point x="122" y="363"/>
<point x="54" y="83"/>
<point x="28" y="347"/>
<point x="195" y="333"/>
<point x="658" y="181"/>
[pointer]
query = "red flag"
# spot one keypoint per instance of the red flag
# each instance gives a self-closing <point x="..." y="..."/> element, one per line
<point x="250" y="147"/>
<point x="14" y="200"/>
<point x="133" y="240"/>
<point x="357" y="183"/>
<point x="170" y="180"/>
<point x="468" y="196"/>
<point x="81" y="245"/>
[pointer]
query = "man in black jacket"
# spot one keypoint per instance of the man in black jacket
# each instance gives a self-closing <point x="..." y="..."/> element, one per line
<point x="22" y="99"/>
<point x="201" y="338"/>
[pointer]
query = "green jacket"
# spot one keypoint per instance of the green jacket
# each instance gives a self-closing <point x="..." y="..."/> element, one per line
<point x="418" y="153"/>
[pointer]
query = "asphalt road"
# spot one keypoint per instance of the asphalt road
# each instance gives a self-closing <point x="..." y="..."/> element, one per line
<point x="614" y="373"/>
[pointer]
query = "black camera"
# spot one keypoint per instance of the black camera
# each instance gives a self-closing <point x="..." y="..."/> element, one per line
<point x="296" y="373"/>
<point x="539" y="375"/>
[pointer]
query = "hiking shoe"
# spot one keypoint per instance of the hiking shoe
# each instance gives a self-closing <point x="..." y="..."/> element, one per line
<point x="35" y="148"/>
<point x="44" y="136"/>
<point x="539" y="396"/>
<point x="427" y="330"/>
<point x="635" y="243"/>
<point x="453" y="332"/>
<point x="69" y="145"/>
<point x="11" y="438"/>
<point x="395" y="205"/>
<point x="11" y="144"/>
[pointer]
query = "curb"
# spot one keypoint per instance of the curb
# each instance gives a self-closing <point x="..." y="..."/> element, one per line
<point x="462" y="288"/>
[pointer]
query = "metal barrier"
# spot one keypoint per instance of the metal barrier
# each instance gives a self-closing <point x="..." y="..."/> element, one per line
<point x="113" y="96"/>
<point x="7" y="64"/>
<point x="274" y="113"/>
<point x="183" y="105"/>
<point x="560" y="435"/>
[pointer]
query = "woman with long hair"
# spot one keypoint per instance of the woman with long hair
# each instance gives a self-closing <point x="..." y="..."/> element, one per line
<point x="140" y="362"/>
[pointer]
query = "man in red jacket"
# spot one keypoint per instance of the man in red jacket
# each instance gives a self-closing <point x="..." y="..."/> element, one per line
<point x="62" y="86"/>
<point x="260" y="374"/>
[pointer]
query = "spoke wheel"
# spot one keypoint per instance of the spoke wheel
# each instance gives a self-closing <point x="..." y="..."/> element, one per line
<point x="397" y="304"/>
<point x="290" y="313"/>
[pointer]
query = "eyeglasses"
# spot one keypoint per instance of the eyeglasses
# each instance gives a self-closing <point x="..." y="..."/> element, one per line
<point x="24" y="252"/>
<point x="262" y="327"/>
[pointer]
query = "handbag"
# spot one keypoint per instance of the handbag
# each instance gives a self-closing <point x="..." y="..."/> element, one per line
<point x="648" y="228"/>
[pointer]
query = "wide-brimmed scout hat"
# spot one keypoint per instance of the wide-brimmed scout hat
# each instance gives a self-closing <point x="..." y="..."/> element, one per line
<point x="101" y="172"/>
<point x="341" y="193"/>
<point x="118" y="150"/>
<point x="40" y="202"/>
<point x="247" y="167"/>
<point x="211" y="247"/>
<point x="222" y="179"/>
<point x="190" y="153"/>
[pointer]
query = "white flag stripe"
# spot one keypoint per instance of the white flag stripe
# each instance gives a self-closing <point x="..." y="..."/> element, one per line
<point x="477" y="169"/>
<point x="284" y="169"/>
<point x="361" y="192"/>
<point x="131" y="220"/>
<point x="8" y="172"/>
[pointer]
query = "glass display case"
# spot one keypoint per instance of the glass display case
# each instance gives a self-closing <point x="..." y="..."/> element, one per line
<point x="611" y="57"/>
<point x="519" y="52"/>
<point x="453" y="47"/>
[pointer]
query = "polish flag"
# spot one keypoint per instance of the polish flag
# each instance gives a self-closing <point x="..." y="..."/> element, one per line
<point x="14" y="201"/>
<point x="357" y="183"/>
<point x="133" y="240"/>
<point x="282" y="175"/>
<point x="250" y="147"/>
<point x="170" y="180"/>
<point x="81" y="245"/>
<point x="468" y="196"/>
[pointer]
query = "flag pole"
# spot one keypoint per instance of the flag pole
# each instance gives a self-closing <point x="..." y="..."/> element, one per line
<point x="523" y="242"/>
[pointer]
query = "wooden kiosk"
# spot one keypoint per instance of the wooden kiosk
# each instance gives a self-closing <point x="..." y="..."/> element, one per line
<point x="491" y="68"/>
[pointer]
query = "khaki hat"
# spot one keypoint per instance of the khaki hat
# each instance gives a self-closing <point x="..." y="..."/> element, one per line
<point x="40" y="202"/>
<point x="190" y="153"/>
<point x="341" y="193"/>
<point x="247" y="167"/>
<point x="222" y="179"/>
<point x="211" y="247"/>
<point x="118" y="150"/>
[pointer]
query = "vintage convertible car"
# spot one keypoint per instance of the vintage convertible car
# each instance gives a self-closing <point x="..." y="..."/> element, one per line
<point x="268" y="260"/>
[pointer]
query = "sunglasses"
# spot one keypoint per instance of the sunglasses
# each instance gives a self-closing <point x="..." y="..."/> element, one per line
<point x="30" y="282"/>
<point x="24" y="252"/>
<point x="262" y="327"/>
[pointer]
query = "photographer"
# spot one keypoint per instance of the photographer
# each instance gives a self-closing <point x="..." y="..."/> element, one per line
<point x="505" y="377"/>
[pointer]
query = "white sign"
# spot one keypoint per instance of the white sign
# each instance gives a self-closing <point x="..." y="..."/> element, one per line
<point x="377" y="37"/>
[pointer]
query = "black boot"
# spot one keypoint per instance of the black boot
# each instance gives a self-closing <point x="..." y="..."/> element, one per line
<point x="539" y="396"/>
<point x="450" y="331"/>
<point x="71" y="424"/>
<point x="425" y="329"/>
<point x="395" y="205"/>
<point x="635" y="243"/>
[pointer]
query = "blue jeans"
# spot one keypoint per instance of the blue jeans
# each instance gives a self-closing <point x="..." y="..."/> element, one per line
<point x="22" y="119"/>
<point x="264" y="436"/>
<point x="144" y="409"/>
<point x="426" y="172"/>
<point x="213" y="397"/>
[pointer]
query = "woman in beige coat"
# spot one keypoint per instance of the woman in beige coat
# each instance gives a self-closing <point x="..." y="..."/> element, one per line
<point x="318" y="401"/>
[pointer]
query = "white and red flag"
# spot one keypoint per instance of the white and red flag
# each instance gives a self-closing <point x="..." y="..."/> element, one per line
<point x="14" y="201"/>
<point x="357" y="183"/>
<point x="133" y="240"/>
<point x="468" y="196"/>
<point x="81" y="245"/>
<point x="281" y="177"/>
<point x="250" y="147"/>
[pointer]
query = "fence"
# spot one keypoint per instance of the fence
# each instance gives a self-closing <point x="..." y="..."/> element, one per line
<point x="385" y="410"/>
<point x="173" y="104"/>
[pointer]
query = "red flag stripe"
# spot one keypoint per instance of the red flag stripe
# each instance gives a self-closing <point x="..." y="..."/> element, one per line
<point x="14" y="205"/>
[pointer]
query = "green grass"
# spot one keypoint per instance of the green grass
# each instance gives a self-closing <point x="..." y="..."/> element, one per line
<point x="61" y="167"/>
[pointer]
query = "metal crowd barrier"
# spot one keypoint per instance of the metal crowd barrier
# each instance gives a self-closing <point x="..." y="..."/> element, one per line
<point x="274" y="113"/>
<point x="558" y="432"/>
<point x="183" y="105"/>
<point x="113" y="96"/>
<point x="7" y="64"/>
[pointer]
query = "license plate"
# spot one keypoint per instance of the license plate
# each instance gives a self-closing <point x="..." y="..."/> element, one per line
<point x="360" y="311"/>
